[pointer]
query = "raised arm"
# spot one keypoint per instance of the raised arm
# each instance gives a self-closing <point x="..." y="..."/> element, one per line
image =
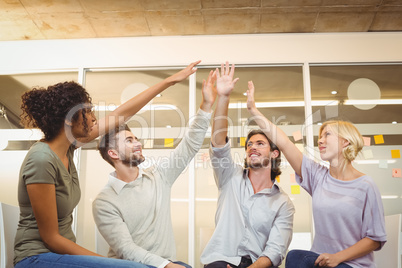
<point x="208" y="92"/>
<point x="194" y="136"/>
<point x="275" y="134"/>
<point x="133" y="105"/>
<point x="224" y="86"/>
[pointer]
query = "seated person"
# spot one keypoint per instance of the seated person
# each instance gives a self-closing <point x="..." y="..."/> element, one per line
<point x="254" y="218"/>
<point x="347" y="207"/>
<point x="132" y="212"/>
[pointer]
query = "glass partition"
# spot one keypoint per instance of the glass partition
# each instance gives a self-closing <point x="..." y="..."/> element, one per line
<point x="279" y="94"/>
<point x="370" y="97"/>
<point x="159" y="126"/>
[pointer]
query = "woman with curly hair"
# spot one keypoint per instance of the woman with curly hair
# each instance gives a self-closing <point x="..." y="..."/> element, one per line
<point x="48" y="188"/>
<point x="348" y="212"/>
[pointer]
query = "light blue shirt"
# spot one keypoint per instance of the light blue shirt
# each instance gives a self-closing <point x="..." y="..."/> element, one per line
<point x="247" y="224"/>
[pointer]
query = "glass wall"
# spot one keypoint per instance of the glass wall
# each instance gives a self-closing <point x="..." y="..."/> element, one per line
<point x="279" y="94"/>
<point x="369" y="96"/>
<point x="159" y="126"/>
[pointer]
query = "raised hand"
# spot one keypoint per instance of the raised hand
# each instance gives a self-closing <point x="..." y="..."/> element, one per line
<point x="250" y="98"/>
<point x="183" y="74"/>
<point x="208" y="92"/>
<point x="225" y="82"/>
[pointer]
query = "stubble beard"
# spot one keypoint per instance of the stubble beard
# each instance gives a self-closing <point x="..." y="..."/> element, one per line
<point x="133" y="160"/>
<point x="260" y="164"/>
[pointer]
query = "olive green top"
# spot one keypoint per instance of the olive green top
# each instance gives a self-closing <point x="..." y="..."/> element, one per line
<point x="42" y="165"/>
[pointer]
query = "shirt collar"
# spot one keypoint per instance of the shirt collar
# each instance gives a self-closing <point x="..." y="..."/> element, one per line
<point x="275" y="187"/>
<point x="118" y="184"/>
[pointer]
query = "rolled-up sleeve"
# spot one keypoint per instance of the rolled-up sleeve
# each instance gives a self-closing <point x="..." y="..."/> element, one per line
<point x="280" y="235"/>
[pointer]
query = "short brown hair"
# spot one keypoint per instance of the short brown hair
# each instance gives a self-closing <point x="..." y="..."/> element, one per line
<point x="275" y="162"/>
<point x="108" y="141"/>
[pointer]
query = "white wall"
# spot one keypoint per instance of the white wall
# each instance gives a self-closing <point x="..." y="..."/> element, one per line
<point x="18" y="56"/>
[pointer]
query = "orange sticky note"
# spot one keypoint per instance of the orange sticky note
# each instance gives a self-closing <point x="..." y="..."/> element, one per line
<point x="278" y="178"/>
<point x="292" y="178"/>
<point x="367" y="141"/>
<point x="378" y="139"/>
<point x="396" y="173"/>
<point x="297" y="135"/>
<point x="242" y="141"/>
<point x="396" y="153"/>
<point x="295" y="189"/>
<point x="169" y="142"/>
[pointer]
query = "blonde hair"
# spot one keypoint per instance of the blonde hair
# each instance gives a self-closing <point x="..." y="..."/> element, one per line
<point x="349" y="132"/>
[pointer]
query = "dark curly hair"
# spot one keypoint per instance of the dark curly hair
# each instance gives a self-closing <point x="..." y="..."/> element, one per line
<point x="275" y="162"/>
<point x="47" y="109"/>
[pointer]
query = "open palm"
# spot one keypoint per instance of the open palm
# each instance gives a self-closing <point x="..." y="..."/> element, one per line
<point x="224" y="81"/>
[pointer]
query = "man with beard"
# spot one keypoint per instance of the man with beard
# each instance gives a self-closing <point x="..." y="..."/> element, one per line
<point x="254" y="217"/>
<point x="133" y="211"/>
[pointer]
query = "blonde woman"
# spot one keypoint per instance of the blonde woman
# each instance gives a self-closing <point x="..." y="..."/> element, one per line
<point x="347" y="208"/>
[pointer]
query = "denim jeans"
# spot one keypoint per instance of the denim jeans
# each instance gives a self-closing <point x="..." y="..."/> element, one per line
<point x="182" y="263"/>
<point x="53" y="260"/>
<point x="244" y="263"/>
<point x="305" y="259"/>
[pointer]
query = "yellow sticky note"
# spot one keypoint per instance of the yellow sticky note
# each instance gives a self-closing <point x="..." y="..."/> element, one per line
<point x="242" y="141"/>
<point x="169" y="142"/>
<point x="278" y="178"/>
<point x="295" y="189"/>
<point x="367" y="141"/>
<point x="292" y="178"/>
<point x="396" y="153"/>
<point x="396" y="173"/>
<point x="378" y="139"/>
<point x="297" y="135"/>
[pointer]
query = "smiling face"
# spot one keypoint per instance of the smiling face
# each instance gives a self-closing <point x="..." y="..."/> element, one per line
<point x="258" y="152"/>
<point x="129" y="149"/>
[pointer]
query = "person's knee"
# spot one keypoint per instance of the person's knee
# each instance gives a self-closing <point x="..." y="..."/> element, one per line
<point x="217" y="264"/>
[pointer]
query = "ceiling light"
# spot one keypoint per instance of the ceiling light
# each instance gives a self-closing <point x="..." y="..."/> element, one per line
<point x="389" y="196"/>
<point x="319" y="124"/>
<point x="245" y="93"/>
<point x="168" y="126"/>
<point x="155" y="107"/>
<point x="334" y="92"/>
<point x="376" y="102"/>
<point x="371" y="162"/>
<point x="394" y="122"/>
<point x="285" y="104"/>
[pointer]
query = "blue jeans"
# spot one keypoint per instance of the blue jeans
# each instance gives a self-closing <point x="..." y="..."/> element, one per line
<point x="53" y="260"/>
<point x="182" y="263"/>
<point x="305" y="259"/>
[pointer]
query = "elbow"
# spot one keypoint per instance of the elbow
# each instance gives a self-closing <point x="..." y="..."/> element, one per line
<point x="50" y="241"/>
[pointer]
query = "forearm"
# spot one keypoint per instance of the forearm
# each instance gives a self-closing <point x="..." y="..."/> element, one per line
<point x="62" y="245"/>
<point x="220" y="122"/>
<point x="262" y="262"/>
<point x="275" y="134"/>
<point x="361" y="248"/>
